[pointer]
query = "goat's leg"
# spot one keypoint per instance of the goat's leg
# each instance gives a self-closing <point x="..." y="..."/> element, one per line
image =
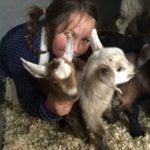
<point x="99" y="135"/>
<point x="100" y="139"/>
<point x="77" y="127"/>
<point x="2" y="127"/>
<point x="75" y="122"/>
<point x="122" y="23"/>
<point x="144" y="102"/>
<point x="135" y="127"/>
<point x="111" y="115"/>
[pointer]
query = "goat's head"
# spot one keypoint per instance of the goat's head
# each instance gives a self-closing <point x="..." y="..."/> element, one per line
<point x="59" y="72"/>
<point x="113" y="57"/>
<point x="144" y="55"/>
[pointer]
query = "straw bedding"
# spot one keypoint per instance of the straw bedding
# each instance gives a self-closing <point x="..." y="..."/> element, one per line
<point x="24" y="132"/>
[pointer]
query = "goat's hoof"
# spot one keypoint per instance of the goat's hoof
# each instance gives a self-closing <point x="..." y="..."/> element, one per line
<point x="137" y="133"/>
<point x="102" y="148"/>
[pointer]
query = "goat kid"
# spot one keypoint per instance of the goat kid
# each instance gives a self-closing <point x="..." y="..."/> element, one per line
<point x="135" y="91"/>
<point x="105" y="68"/>
<point x="144" y="55"/>
<point x="59" y="72"/>
<point x="129" y="10"/>
<point x="59" y="77"/>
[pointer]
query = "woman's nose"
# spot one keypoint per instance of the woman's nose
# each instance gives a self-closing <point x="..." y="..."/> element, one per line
<point x="76" y="46"/>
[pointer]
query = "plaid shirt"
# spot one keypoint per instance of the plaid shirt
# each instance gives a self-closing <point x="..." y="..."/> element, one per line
<point x="13" y="46"/>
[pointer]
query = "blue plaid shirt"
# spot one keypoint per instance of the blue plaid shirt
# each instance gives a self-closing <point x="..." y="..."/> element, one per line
<point x="13" y="46"/>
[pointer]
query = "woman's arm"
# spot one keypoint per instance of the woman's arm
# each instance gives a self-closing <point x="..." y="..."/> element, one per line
<point x="31" y="98"/>
<point x="12" y="47"/>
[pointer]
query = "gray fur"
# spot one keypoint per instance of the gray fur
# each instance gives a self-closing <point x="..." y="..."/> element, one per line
<point x="99" y="80"/>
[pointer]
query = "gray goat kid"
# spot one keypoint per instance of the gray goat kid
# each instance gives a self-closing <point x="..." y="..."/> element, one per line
<point x="105" y="68"/>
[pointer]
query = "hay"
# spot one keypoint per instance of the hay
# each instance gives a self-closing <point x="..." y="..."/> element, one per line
<point x="24" y="132"/>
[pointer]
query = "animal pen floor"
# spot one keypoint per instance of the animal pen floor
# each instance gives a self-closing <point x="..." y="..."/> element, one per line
<point x="24" y="132"/>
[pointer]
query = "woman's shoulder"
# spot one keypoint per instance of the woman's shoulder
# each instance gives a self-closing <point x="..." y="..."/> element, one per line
<point x="17" y="31"/>
<point x="15" y="44"/>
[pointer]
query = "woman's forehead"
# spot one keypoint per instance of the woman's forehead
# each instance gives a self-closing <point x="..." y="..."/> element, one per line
<point x="78" y="21"/>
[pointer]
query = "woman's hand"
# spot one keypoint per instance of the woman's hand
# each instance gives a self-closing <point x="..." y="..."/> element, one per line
<point x="59" y="107"/>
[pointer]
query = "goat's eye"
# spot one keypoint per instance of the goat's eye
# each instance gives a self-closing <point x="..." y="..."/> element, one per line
<point x="110" y="59"/>
<point x="120" y="69"/>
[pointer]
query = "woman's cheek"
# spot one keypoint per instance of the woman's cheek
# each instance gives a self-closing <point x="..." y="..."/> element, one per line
<point x="59" y="46"/>
<point x="84" y="48"/>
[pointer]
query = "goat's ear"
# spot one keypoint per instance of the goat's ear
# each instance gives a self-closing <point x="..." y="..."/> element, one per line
<point x="38" y="71"/>
<point x="107" y="75"/>
<point x="69" y="48"/>
<point x="95" y="41"/>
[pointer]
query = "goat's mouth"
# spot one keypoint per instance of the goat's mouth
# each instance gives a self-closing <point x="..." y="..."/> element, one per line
<point x="131" y="76"/>
<point x="124" y="79"/>
<point x="75" y="97"/>
<point x="72" y="93"/>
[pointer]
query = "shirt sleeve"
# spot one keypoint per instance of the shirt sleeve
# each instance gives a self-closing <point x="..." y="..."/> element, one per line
<point x="12" y="47"/>
<point x="31" y="98"/>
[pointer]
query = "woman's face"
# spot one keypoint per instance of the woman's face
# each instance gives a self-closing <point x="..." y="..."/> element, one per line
<point x="80" y="26"/>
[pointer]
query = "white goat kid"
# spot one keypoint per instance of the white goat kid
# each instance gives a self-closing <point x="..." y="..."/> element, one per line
<point x="112" y="56"/>
<point x="106" y="68"/>
<point x="129" y="9"/>
<point x="59" y="72"/>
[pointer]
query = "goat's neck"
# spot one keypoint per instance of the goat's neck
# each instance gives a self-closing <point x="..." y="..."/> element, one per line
<point x="96" y="89"/>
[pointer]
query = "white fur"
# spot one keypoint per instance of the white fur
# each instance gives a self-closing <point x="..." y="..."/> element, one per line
<point x="116" y="59"/>
<point x="69" y="48"/>
<point x="44" y="58"/>
<point x="95" y="42"/>
<point x="122" y="68"/>
<point x="63" y="71"/>
<point x="38" y="71"/>
<point x="72" y="91"/>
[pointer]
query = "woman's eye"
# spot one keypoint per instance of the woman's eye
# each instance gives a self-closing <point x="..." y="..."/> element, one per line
<point x="86" y="40"/>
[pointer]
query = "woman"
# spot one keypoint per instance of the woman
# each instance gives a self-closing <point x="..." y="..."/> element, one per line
<point x="41" y="40"/>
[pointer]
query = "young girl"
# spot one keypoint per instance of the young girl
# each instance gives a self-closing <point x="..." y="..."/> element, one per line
<point x="40" y="40"/>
